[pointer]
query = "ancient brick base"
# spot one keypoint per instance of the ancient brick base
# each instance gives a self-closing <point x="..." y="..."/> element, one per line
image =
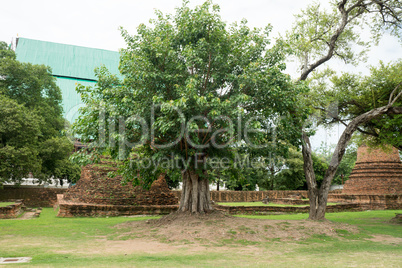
<point x="288" y="201"/>
<point x="250" y="196"/>
<point x="72" y="209"/>
<point x="374" y="201"/>
<point x="11" y="211"/>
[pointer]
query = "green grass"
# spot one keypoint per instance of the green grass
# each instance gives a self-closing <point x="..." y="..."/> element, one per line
<point x="75" y="229"/>
<point x="73" y="242"/>
<point x="258" y="204"/>
<point x="4" y="204"/>
<point x="370" y="224"/>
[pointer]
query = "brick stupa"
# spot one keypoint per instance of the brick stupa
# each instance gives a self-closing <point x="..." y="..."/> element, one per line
<point x="376" y="172"/>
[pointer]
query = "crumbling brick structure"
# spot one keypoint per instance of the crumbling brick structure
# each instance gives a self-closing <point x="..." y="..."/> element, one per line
<point x="97" y="187"/>
<point x="11" y="211"/>
<point x="376" y="173"/>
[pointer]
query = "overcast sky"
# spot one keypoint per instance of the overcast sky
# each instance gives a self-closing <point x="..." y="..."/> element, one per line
<point x="95" y="23"/>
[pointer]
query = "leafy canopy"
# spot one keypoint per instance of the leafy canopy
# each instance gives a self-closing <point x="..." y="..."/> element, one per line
<point x="31" y="123"/>
<point x="359" y="94"/>
<point x="192" y="86"/>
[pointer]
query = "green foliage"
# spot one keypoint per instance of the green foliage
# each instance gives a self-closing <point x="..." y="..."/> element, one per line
<point x="84" y="157"/>
<point x="173" y="179"/>
<point x="312" y="31"/>
<point x="190" y="81"/>
<point x="6" y="52"/>
<point x="318" y="34"/>
<point x="357" y="95"/>
<point x="19" y="133"/>
<point x="31" y="122"/>
<point x="54" y="153"/>
<point x="292" y="177"/>
<point x="35" y="88"/>
<point x="242" y="180"/>
<point x="347" y="163"/>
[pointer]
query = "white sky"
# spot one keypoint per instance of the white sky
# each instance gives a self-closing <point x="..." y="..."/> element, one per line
<point x="95" y="23"/>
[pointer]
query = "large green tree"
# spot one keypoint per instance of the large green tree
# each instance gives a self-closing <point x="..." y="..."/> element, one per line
<point x="19" y="133"/>
<point x="31" y="123"/>
<point x="319" y="36"/>
<point x="195" y="92"/>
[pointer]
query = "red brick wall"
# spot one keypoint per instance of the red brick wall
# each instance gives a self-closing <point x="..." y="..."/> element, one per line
<point x="33" y="197"/>
<point x="350" y="203"/>
<point x="249" y="196"/>
<point x="70" y="209"/>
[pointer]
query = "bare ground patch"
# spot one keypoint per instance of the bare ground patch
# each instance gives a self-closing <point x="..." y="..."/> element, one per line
<point x="217" y="227"/>
<point x="386" y="239"/>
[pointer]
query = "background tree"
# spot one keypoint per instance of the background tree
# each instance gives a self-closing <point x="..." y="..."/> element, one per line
<point x="323" y="36"/>
<point x="190" y="81"/>
<point x="347" y="163"/>
<point x="31" y="124"/>
<point x="19" y="133"/>
<point x="292" y="177"/>
<point x="242" y="179"/>
<point x="359" y="94"/>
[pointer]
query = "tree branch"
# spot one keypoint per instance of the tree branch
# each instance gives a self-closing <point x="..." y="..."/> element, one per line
<point x="395" y="110"/>
<point x="392" y="101"/>
<point x="209" y="69"/>
<point x="332" y="43"/>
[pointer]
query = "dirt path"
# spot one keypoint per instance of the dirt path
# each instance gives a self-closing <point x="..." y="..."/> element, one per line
<point x="27" y="215"/>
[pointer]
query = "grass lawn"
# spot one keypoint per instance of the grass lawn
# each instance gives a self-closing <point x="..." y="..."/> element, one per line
<point x="97" y="242"/>
<point x="4" y="204"/>
<point x="255" y="204"/>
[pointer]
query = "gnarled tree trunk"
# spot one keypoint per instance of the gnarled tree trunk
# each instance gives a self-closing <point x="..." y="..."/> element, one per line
<point x="310" y="178"/>
<point x="319" y="196"/>
<point x="195" y="196"/>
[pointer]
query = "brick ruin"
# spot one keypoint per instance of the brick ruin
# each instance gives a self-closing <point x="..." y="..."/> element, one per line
<point x="96" y="187"/>
<point x="376" y="173"/>
<point x="12" y="211"/>
<point x="97" y="193"/>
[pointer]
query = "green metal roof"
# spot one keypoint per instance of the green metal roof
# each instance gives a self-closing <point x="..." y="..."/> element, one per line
<point x="71" y="65"/>
<point x="71" y="99"/>
<point x="67" y="60"/>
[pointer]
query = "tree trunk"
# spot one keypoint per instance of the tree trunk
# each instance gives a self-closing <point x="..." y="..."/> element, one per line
<point x="313" y="191"/>
<point x="195" y="197"/>
<point x="272" y="177"/>
<point x="319" y="197"/>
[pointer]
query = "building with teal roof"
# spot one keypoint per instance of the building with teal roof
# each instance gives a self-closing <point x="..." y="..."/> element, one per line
<point x="71" y="65"/>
